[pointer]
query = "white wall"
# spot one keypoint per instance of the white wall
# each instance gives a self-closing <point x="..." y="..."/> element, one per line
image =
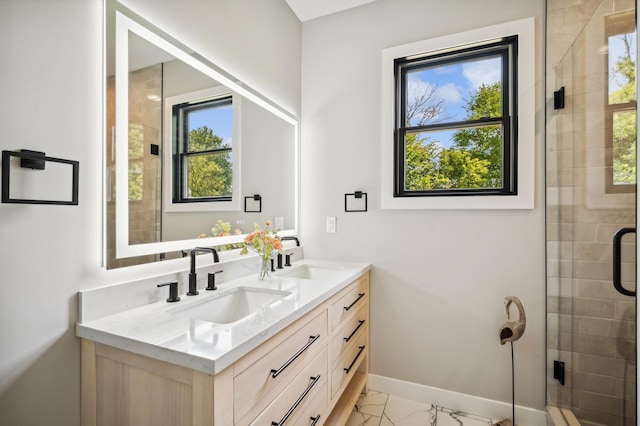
<point x="439" y="277"/>
<point x="51" y="100"/>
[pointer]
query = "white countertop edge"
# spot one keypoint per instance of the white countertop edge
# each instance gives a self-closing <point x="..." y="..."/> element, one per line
<point x="96" y="330"/>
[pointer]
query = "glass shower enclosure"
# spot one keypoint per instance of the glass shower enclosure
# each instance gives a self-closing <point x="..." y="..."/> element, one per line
<point x="591" y="128"/>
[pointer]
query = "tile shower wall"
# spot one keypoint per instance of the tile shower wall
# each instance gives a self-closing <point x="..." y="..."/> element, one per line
<point x="590" y="326"/>
<point x="145" y="121"/>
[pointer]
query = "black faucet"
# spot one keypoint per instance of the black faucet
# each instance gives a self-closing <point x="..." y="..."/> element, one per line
<point x="288" y="256"/>
<point x="292" y="239"/>
<point x="193" y="288"/>
<point x="173" y="291"/>
<point x="211" y="280"/>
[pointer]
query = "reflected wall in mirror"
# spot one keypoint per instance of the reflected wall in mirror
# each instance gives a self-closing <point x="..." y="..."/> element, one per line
<point x="176" y="180"/>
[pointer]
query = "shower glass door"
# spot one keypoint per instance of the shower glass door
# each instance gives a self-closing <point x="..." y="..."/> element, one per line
<point x="591" y="195"/>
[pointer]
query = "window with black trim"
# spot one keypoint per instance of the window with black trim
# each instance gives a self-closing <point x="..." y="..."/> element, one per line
<point x="620" y="110"/>
<point x="456" y="121"/>
<point x="203" y="150"/>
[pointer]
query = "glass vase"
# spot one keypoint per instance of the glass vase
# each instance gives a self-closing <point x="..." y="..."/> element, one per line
<point x="264" y="268"/>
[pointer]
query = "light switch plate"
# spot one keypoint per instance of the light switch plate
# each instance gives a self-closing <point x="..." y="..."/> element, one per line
<point x="331" y="224"/>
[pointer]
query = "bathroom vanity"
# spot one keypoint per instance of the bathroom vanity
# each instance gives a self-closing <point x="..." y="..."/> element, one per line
<point x="294" y="350"/>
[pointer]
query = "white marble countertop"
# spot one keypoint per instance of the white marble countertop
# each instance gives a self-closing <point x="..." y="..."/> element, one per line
<point x="167" y="331"/>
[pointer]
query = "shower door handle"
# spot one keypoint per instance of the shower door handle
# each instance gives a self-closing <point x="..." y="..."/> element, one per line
<point x="617" y="260"/>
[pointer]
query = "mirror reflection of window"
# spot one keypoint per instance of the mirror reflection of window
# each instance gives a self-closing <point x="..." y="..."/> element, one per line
<point x="203" y="149"/>
<point x="621" y="137"/>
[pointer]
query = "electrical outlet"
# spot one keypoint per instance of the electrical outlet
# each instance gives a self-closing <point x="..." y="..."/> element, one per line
<point x="279" y="223"/>
<point x="331" y="224"/>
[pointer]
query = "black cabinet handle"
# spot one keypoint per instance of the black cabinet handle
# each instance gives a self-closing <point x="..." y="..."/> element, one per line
<point x="346" y="339"/>
<point x="275" y="373"/>
<point x="315" y="420"/>
<point x="617" y="260"/>
<point x="314" y="380"/>
<point x="360" y="296"/>
<point x="346" y="370"/>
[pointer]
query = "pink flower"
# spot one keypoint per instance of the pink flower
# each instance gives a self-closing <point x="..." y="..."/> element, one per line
<point x="277" y="243"/>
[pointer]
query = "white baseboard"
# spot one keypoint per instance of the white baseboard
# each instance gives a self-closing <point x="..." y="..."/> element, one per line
<point x="458" y="401"/>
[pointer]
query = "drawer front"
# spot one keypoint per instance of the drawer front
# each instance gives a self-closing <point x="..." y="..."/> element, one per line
<point x="346" y="366"/>
<point x="257" y="385"/>
<point x="314" y="413"/>
<point x="307" y="393"/>
<point x="348" y="331"/>
<point x="349" y="301"/>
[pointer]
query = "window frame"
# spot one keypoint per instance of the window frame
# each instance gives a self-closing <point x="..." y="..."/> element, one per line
<point x="523" y="157"/>
<point x="616" y="24"/>
<point x="181" y="151"/>
<point x="171" y="202"/>
<point x="507" y="49"/>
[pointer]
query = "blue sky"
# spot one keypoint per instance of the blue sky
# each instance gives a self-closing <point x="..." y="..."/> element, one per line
<point x="616" y="50"/>
<point x="218" y="118"/>
<point x="453" y="84"/>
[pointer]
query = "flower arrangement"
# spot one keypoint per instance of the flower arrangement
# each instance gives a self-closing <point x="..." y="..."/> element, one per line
<point x="264" y="242"/>
<point x="223" y="229"/>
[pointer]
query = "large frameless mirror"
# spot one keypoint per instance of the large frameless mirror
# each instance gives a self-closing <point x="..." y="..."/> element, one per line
<point x="193" y="156"/>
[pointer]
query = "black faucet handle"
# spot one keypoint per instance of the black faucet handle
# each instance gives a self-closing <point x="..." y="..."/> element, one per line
<point x="173" y="291"/>
<point x="287" y="261"/>
<point x="211" y="280"/>
<point x="279" y="260"/>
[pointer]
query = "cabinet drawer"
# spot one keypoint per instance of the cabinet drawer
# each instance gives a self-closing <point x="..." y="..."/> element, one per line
<point x="349" y="300"/>
<point x="313" y="413"/>
<point x="276" y="363"/>
<point x="346" y="366"/>
<point x="348" y="331"/>
<point x="300" y="396"/>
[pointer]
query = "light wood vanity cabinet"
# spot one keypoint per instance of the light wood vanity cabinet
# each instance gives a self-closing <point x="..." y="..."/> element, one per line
<point x="310" y="373"/>
<point x="263" y="378"/>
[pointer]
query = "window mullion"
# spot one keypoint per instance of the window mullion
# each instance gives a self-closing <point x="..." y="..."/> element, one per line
<point x="455" y="125"/>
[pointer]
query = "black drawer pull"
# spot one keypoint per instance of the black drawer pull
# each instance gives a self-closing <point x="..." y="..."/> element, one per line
<point x="346" y="370"/>
<point x="360" y="296"/>
<point x="346" y="339"/>
<point x="314" y="380"/>
<point x="275" y="373"/>
<point x="315" y="420"/>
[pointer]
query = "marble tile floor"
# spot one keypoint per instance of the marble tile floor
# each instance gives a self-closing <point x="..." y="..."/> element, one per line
<point x="381" y="409"/>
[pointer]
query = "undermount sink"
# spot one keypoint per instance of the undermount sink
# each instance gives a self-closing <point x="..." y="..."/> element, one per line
<point x="231" y="305"/>
<point x="310" y="272"/>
